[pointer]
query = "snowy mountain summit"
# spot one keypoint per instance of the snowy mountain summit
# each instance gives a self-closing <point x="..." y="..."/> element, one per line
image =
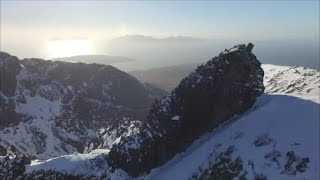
<point x="232" y="118"/>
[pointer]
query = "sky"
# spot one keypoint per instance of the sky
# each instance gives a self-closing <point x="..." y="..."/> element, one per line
<point x="27" y="27"/>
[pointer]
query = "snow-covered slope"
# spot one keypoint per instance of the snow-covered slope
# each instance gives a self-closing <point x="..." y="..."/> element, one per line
<point x="283" y="123"/>
<point x="261" y="139"/>
<point x="294" y="80"/>
<point x="79" y="164"/>
<point x="277" y="139"/>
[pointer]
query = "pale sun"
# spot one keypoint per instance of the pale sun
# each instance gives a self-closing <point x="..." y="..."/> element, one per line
<point x="67" y="48"/>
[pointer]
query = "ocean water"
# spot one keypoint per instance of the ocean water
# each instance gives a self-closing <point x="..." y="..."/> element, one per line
<point x="151" y="55"/>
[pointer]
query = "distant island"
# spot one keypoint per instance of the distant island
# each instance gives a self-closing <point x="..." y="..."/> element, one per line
<point x="99" y="59"/>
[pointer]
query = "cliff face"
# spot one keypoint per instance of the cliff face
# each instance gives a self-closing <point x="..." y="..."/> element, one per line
<point x="225" y="86"/>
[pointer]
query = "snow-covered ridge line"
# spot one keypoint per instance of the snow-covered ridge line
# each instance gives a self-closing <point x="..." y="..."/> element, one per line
<point x="292" y="80"/>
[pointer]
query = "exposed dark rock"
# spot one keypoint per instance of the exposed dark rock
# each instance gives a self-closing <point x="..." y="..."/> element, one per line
<point x="295" y="164"/>
<point x="51" y="174"/>
<point x="249" y="47"/>
<point x="9" y="68"/>
<point x="225" y="86"/>
<point x="3" y="151"/>
<point x="273" y="158"/>
<point x="13" y="167"/>
<point x="262" y="140"/>
<point x="8" y="116"/>
<point x="224" y="167"/>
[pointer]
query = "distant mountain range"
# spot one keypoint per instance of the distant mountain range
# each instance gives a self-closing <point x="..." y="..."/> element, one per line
<point x="142" y="38"/>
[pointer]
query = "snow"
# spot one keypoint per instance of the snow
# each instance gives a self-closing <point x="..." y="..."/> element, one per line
<point x="21" y="135"/>
<point x="106" y="88"/>
<point x="288" y="114"/>
<point x="296" y="81"/>
<point x="39" y="106"/>
<point x="165" y="101"/>
<point x="93" y="163"/>
<point x="111" y="137"/>
<point x="175" y="118"/>
<point x="41" y="110"/>
<point x="133" y="132"/>
<point x="76" y="163"/>
<point x="285" y="119"/>
<point x="23" y="74"/>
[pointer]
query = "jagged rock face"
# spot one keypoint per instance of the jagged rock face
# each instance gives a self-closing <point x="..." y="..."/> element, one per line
<point x="106" y="138"/>
<point x="3" y="151"/>
<point x="12" y="168"/>
<point x="9" y="68"/>
<point x="225" y="86"/>
<point x="51" y="108"/>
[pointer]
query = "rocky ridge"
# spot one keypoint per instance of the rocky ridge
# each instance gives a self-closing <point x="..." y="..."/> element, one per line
<point x="51" y="108"/>
<point x="225" y="86"/>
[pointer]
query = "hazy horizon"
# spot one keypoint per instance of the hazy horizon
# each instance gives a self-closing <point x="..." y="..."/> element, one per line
<point x="158" y="34"/>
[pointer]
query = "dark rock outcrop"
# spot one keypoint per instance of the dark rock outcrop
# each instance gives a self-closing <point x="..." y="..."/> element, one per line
<point x="9" y="68"/>
<point x="13" y="167"/>
<point x="225" y="86"/>
<point x="3" y="151"/>
<point x="51" y="174"/>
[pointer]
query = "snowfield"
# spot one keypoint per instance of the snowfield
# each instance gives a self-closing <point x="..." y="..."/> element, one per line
<point x="283" y="123"/>
<point x="76" y="163"/>
<point x="292" y="80"/>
